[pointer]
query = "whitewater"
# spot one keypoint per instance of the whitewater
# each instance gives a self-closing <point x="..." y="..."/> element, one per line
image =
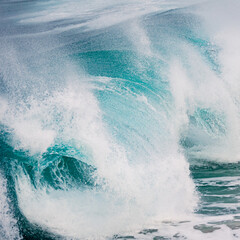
<point x="119" y="119"/>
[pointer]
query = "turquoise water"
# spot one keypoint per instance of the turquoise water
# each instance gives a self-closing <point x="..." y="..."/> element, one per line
<point x="119" y="120"/>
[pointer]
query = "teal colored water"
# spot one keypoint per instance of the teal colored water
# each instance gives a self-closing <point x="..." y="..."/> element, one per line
<point x="119" y="120"/>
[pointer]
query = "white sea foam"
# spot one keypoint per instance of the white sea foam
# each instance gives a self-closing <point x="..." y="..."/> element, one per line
<point x="8" y="224"/>
<point x="138" y="192"/>
<point x="221" y="25"/>
<point x="135" y="192"/>
<point x="133" y="195"/>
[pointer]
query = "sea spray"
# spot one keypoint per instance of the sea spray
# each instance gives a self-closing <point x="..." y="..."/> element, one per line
<point x="111" y="112"/>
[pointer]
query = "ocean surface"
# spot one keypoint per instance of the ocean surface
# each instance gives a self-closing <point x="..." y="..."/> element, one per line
<point x="119" y="119"/>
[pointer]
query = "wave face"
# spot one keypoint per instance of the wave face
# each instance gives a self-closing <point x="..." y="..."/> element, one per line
<point x="114" y="115"/>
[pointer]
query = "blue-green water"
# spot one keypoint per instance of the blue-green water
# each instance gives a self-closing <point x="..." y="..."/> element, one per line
<point x="119" y="120"/>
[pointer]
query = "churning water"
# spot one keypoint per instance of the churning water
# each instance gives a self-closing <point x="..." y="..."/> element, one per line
<point x="120" y="119"/>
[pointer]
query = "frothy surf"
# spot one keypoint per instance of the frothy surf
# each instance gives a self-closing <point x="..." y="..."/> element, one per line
<point x="119" y="120"/>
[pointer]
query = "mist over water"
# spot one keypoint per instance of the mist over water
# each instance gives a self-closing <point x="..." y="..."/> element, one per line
<point x="119" y="118"/>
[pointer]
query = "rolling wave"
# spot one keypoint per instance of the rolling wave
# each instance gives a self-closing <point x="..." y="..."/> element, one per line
<point x="106" y="109"/>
